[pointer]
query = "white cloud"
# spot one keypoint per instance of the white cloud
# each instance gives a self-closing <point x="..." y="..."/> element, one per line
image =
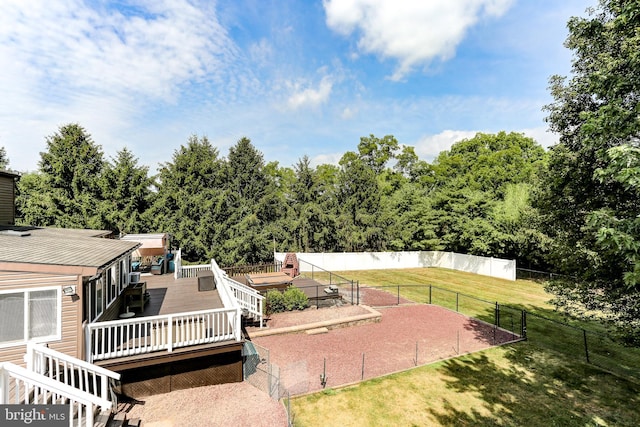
<point x="311" y="97"/>
<point x="430" y="146"/>
<point x="348" y="113"/>
<point x="541" y="135"/>
<point x="326" y="159"/>
<point x="103" y="67"/>
<point x="412" y="32"/>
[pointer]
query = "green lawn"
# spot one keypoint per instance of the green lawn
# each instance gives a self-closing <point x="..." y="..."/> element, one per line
<point x="544" y="381"/>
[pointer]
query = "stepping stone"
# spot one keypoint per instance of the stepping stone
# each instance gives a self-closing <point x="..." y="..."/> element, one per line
<point x="317" y="331"/>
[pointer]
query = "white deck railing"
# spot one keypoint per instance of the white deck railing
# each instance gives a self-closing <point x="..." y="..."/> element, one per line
<point x="127" y="337"/>
<point x="232" y="293"/>
<point x="192" y="270"/>
<point x="245" y="296"/>
<point x="69" y="370"/>
<point x="22" y="386"/>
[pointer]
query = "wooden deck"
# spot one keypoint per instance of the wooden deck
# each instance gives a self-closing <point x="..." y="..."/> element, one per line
<point x="169" y="296"/>
<point x="315" y="291"/>
<point x="163" y="371"/>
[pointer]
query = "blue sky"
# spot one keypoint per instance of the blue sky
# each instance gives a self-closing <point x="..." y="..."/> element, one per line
<point x="296" y="77"/>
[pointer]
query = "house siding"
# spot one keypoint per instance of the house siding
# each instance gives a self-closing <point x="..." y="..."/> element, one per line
<point x="7" y="194"/>
<point x="71" y="332"/>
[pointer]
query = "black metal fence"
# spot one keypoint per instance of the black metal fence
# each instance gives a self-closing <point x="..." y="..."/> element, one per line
<point x="592" y="347"/>
<point x="536" y="275"/>
<point x="503" y="316"/>
<point x="323" y="276"/>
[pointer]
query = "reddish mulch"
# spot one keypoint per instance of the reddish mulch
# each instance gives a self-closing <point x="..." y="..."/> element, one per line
<point x="386" y="347"/>
<point x="376" y="297"/>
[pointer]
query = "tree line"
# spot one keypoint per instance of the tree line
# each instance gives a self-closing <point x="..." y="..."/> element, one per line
<point x="574" y="209"/>
<point x="474" y="198"/>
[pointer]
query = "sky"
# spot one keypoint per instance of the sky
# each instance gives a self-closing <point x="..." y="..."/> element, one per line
<point x="296" y="77"/>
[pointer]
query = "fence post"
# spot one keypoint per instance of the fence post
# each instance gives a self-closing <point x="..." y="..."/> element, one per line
<point x="430" y="294"/>
<point x="586" y="347"/>
<point x="269" y="376"/>
<point x="362" y="375"/>
<point x="497" y="314"/>
<point x="457" y="300"/>
<point x="398" y="294"/>
<point x="352" y="295"/>
<point x="358" y="291"/>
<point x="523" y="325"/>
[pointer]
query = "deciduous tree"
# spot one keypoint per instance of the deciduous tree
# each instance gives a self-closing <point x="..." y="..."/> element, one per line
<point x="590" y="203"/>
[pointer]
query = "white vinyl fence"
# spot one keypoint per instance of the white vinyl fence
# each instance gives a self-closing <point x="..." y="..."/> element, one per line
<point x="344" y="261"/>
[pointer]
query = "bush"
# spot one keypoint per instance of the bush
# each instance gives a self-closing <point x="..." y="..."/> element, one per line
<point x="295" y="299"/>
<point x="292" y="299"/>
<point x="275" y="301"/>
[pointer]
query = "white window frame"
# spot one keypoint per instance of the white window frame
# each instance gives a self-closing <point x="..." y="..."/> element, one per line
<point x="58" y="316"/>
<point x="125" y="262"/>
<point x="98" y="297"/>
<point x="111" y="284"/>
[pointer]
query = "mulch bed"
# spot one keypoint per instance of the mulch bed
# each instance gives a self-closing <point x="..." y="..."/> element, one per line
<point x="407" y="336"/>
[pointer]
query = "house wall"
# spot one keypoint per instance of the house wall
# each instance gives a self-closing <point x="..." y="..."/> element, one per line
<point x="7" y="213"/>
<point x="71" y="331"/>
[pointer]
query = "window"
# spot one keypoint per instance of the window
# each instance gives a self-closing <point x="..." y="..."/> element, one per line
<point x="124" y="272"/>
<point x="30" y="315"/>
<point x="110" y="275"/>
<point x="99" y="284"/>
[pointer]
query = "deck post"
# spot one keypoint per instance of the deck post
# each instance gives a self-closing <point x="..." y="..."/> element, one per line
<point x="4" y="386"/>
<point x="238" y="325"/>
<point x="88" y="355"/>
<point x="170" y="334"/>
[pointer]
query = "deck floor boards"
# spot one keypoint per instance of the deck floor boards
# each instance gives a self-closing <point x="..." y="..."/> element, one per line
<point x="169" y="295"/>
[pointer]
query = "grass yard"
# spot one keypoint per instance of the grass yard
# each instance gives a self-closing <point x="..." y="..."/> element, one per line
<point x="524" y="384"/>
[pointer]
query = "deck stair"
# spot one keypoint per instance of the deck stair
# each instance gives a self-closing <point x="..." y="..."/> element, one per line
<point x="56" y="378"/>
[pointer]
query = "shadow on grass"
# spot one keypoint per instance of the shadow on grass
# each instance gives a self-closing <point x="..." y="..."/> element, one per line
<point x="533" y="387"/>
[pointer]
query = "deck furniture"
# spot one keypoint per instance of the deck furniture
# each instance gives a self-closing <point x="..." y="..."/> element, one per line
<point x="158" y="266"/>
<point x="206" y="281"/>
<point x="262" y="282"/>
<point x="136" y="295"/>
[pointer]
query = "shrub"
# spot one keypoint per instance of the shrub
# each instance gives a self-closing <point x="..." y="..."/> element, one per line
<point x="295" y="299"/>
<point x="275" y="301"/>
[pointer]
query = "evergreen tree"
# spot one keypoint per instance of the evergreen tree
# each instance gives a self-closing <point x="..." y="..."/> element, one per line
<point x="69" y="180"/>
<point x="248" y="237"/>
<point x="359" y="225"/>
<point x="4" y="160"/>
<point x="126" y="189"/>
<point x="191" y="202"/>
